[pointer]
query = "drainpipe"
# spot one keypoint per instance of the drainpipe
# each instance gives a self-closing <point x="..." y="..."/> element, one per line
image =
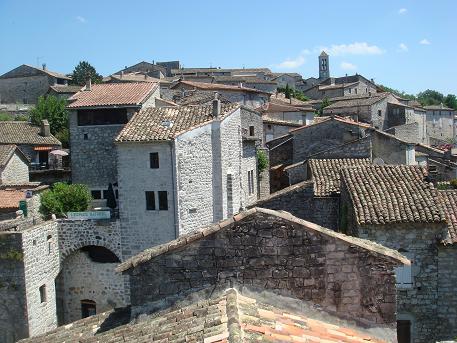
<point x="174" y="180"/>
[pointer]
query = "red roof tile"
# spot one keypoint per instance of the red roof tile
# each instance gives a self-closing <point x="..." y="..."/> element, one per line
<point x="113" y="94"/>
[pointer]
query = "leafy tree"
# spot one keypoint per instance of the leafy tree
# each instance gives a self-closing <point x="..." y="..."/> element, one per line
<point x="53" y="109"/>
<point x="262" y="161"/>
<point x="64" y="137"/>
<point x="430" y="97"/>
<point x="293" y="93"/>
<point x="325" y="102"/>
<point x="287" y="91"/>
<point x="84" y="70"/>
<point x="401" y="94"/>
<point x="63" y="198"/>
<point x="451" y="101"/>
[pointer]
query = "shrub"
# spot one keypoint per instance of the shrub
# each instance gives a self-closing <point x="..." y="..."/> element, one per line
<point x="262" y="161"/>
<point x="63" y="198"/>
<point x="453" y="183"/>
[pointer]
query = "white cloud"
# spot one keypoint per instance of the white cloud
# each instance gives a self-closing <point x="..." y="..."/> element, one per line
<point x="81" y="19"/>
<point x="403" y="47"/>
<point x="402" y="11"/>
<point x="357" y="48"/>
<point x="289" y="63"/>
<point x="348" y="66"/>
<point x="425" y="41"/>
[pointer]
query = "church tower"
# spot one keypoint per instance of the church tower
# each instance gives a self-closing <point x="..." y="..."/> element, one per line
<point x="324" y="70"/>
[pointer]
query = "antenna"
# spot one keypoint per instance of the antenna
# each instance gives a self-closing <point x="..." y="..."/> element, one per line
<point x="38" y="61"/>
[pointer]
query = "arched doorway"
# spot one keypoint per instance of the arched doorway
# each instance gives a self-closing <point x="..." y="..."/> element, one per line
<point x="88" y="284"/>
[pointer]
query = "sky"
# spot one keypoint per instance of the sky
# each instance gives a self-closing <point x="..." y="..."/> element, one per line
<point x="409" y="45"/>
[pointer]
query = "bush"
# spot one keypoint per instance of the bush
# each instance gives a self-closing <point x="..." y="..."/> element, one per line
<point x="63" y="198"/>
<point x="262" y="161"/>
<point x="453" y="183"/>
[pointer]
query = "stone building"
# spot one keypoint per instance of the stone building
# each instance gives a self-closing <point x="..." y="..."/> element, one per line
<point x="63" y="92"/>
<point x="440" y="123"/>
<point x="25" y="84"/>
<point x="272" y="251"/>
<point x="14" y="165"/>
<point x="36" y="142"/>
<point x="395" y="206"/>
<point x="96" y="115"/>
<point x="145" y="68"/>
<point x="250" y="97"/>
<point x="247" y="81"/>
<point x="293" y="80"/>
<point x="130" y="77"/>
<point x="180" y="168"/>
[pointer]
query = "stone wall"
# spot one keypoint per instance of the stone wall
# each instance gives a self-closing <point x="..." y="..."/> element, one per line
<point x="390" y="149"/>
<point x="299" y="200"/>
<point x="249" y="118"/>
<point x="16" y="171"/>
<point x="274" y="130"/>
<point x="268" y="252"/>
<point x="24" y="89"/>
<point x="281" y="151"/>
<point x="13" y="307"/>
<point x="407" y="132"/>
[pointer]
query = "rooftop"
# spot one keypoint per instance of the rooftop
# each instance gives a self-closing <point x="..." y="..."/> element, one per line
<point x="270" y="107"/>
<point x="130" y="77"/>
<point x="113" y="94"/>
<point x="438" y="107"/>
<point x="357" y="101"/>
<point x="41" y="70"/>
<point x="324" y="120"/>
<point x="165" y="123"/>
<point x="327" y="173"/>
<point x="6" y="151"/>
<point x="21" y="132"/>
<point x="392" y="194"/>
<point x="197" y="97"/>
<point x="66" y="89"/>
<point x="222" y="316"/>
<point x="217" y="87"/>
<point x="449" y="202"/>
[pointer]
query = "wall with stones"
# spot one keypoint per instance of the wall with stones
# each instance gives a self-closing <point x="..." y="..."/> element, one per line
<point x="274" y="130"/>
<point x="440" y="124"/>
<point x="269" y="252"/>
<point x="447" y="293"/>
<point x="264" y="177"/>
<point x="248" y="163"/>
<point x="299" y="200"/>
<point x="142" y="228"/>
<point x="16" y="171"/>
<point x="389" y="149"/>
<point x="407" y="132"/>
<point x="29" y="88"/>
<point x="249" y="118"/>
<point x="85" y="279"/>
<point x="281" y="151"/>
<point x="13" y="307"/>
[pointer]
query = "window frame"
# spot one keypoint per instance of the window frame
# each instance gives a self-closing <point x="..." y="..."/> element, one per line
<point x="163" y="202"/>
<point x="150" y="195"/>
<point x="154" y="161"/>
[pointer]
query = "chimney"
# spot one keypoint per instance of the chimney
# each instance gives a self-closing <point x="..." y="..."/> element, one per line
<point x="145" y="76"/>
<point x="44" y="66"/>
<point x="88" y="84"/>
<point x="216" y="106"/>
<point x="240" y="84"/>
<point x="45" y="130"/>
<point x="122" y="73"/>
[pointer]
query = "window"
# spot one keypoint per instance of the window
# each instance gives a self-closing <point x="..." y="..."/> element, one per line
<point x="110" y="116"/>
<point x="355" y="90"/>
<point x="154" y="160"/>
<point x="379" y="113"/>
<point x="60" y="81"/>
<point x="403" y="274"/>
<point x="404" y="331"/>
<point x="251" y="182"/>
<point x="350" y="90"/>
<point x="251" y="130"/>
<point x="49" y="241"/>
<point x="86" y="136"/>
<point x="25" y="101"/>
<point x="43" y="294"/>
<point x="163" y="201"/>
<point x="105" y="194"/>
<point x="88" y="308"/>
<point x="150" y="201"/>
<point x="96" y="194"/>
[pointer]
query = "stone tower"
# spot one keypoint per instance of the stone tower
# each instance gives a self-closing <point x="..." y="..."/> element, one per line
<point x="324" y="69"/>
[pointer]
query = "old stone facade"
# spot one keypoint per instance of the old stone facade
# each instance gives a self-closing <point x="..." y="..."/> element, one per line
<point x="274" y="251"/>
<point x="14" y="167"/>
<point x="25" y="84"/>
<point x="440" y="123"/>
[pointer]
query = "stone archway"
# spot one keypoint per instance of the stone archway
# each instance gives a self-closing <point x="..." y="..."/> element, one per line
<point x="88" y="274"/>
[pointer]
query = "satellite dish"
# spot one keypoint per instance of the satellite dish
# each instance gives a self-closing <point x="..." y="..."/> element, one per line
<point x="378" y="161"/>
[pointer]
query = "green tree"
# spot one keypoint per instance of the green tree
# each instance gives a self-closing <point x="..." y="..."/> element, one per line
<point x="451" y="101"/>
<point x="401" y="94"/>
<point x="84" y="70"/>
<point x="287" y="91"/>
<point x="430" y="97"/>
<point x="63" y="198"/>
<point x="262" y="161"/>
<point x="53" y="109"/>
<point x="325" y="102"/>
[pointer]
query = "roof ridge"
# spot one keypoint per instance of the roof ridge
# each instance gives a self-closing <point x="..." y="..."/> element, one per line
<point x="233" y="316"/>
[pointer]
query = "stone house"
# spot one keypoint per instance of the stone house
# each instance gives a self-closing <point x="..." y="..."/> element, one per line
<point x="130" y="77"/>
<point x="25" y="84"/>
<point x="35" y="142"/>
<point x="293" y="80"/>
<point x="250" y="97"/>
<point x="96" y="115"/>
<point x="63" y="92"/>
<point x="440" y="123"/>
<point x="180" y="168"/>
<point x="262" y="73"/>
<point x="265" y="250"/>
<point x="14" y="165"/>
<point x="145" y="68"/>
<point x="396" y="206"/>
<point x="247" y="81"/>
<point x="274" y="128"/>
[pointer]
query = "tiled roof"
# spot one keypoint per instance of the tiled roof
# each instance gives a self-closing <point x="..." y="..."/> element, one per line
<point x="148" y="254"/>
<point x="336" y="86"/>
<point x="6" y="151"/>
<point x="41" y="70"/>
<point x="21" y="132"/>
<point x="131" y="77"/>
<point x="227" y="316"/>
<point x="392" y="194"/>
<point x="198" y="97"/>
<point x="322" y="120"/>
<point x="282" y="107"/>
<point x="280" y="98"/>
<point x="243" y="79"/>
<point x="110" y="94"/>
<point x="274" y="121"/>
<point x="327" y="173"/>
<point x="365" y="101"/>
<point x="449" y="203"/>
<point x="217" y="86"/>
<point x="438" y="107"/>
<point x="9" y="199"/>
<point x="66" y="89"/>
<point x="165" y="123"/>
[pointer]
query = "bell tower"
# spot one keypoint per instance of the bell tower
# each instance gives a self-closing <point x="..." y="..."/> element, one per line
<point x="324" y="70"/>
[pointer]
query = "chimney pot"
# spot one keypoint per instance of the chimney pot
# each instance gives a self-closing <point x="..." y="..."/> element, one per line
<point x="88" y="84"/>
<point x="216" y="106"/>
<point x="44" y="66"/>
<point x="45" y="129"/>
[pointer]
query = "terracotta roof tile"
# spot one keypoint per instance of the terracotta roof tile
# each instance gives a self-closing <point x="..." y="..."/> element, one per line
<point x="21" y="132"/>
<point x="6" y="151"/>
<point x="9" y="199"/>
<point x="362" y="101"/>
<point x="111" y="94"/>
<point x="165" y="123"/>
<point x="326" y="173"/>
<point x="449" y="203"/>
<point x="71" y="89"/>
<point x="283" y="107"/>
<point x="217" y="86"/>
<point x="392" y="194"/>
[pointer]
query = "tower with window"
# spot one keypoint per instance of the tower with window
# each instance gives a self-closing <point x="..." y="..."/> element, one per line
<point x="324" y="70"/>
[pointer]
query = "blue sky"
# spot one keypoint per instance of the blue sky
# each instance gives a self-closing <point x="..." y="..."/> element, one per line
<point x="408" y="45"/>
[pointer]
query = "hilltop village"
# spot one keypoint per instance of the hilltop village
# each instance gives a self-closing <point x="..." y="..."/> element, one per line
<point x="225" y="209"/>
